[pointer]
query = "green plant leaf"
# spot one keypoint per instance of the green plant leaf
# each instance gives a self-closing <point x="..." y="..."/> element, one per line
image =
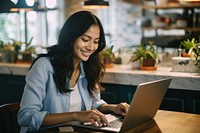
<point x="144" y="52"/>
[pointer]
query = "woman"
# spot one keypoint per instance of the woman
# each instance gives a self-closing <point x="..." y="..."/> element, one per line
<point x="64" y="84"/>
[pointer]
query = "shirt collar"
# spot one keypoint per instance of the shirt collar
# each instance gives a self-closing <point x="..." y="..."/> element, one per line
<point x="82" y="74"/>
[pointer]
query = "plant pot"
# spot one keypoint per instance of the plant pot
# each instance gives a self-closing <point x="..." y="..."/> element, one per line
<point x="108" y="65"/>
<point x="148" y="68"/>
<point x="184" y="64"/>
<point x="107" y="62"/>
<point x="24" y="58"/>
<point x="149" y="62"/>
<point x="7" y="56"/>
<point x="185" y="54"/>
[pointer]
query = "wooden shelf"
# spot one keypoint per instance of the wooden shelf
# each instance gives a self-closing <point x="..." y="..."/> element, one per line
<point x="172" y="28"/>
<point x="171" y="5"/>
<point x="168" y="35"/>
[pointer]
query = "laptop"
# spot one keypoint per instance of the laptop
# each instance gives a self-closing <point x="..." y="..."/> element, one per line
<point x="143" y="107"/>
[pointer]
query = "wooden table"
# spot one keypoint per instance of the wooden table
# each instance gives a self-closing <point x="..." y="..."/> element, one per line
<point x="170" y="122"/>
<point x="164" y="122"/>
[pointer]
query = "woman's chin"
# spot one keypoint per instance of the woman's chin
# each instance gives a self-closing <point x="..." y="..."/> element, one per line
<point x="85" y="58"/>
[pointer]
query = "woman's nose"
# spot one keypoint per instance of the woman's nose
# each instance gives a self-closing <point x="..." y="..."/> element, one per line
<point x="91" y="46"/>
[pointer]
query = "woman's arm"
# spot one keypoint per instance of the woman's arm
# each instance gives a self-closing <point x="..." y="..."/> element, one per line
<point x="57" y="118"/>
<point x="121" y="108"/>
<point x="93" y="116"/>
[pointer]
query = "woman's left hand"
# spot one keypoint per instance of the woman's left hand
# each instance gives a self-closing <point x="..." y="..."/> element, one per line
<point x="121" y="109"/>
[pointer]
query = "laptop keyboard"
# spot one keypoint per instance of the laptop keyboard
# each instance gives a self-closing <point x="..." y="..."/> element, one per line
<point x="115" y="124"/>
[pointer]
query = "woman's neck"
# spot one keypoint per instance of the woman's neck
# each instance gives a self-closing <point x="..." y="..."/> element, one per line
<point x="76" y="64"/>
<point x="76" y="73"/>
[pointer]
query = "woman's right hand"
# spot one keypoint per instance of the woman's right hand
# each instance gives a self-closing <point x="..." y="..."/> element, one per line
<point x="94" y="116"/>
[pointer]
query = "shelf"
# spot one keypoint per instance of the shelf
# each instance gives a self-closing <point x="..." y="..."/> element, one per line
<point x="170" y="34"/>
<point x="172" y="28"/>
<point x="170" y="5"/>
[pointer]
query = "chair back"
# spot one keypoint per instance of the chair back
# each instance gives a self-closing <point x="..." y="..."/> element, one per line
<point x="8" y="118"/>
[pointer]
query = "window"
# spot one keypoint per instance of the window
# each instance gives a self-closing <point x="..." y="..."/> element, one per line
<point x="119" y="22"/>
<point x="42" y="23"/>
<point x="8" y="24"/>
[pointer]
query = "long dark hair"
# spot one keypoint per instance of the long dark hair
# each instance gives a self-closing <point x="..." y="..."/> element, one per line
<point x="61" y="55"/>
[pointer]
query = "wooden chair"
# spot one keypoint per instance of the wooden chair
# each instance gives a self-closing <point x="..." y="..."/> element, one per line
<point x="8" y="118"/>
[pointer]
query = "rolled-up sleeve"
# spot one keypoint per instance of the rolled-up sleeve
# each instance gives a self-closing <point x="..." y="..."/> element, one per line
<point x="97" y="101"/>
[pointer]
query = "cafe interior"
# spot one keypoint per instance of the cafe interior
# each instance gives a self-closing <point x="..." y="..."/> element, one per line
<point x="168" y="31"/>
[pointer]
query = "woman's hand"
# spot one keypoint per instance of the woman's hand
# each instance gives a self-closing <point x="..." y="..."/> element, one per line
<point x="121" y="109"/>
<point x="93" y="116"/>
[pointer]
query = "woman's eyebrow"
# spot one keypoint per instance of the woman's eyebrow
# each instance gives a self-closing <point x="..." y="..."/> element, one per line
<point x="89" y="36"/>
<point x="86" y="35"/>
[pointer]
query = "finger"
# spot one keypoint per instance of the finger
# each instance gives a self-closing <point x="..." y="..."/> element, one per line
<point x="127" y="107"/>
<point x="104" y="121"/>
<point x="123" y="111"/>
<point x="94" y="117"/>
<point x="101" y="118"/>
<point x="124" y="108"/>
<point x="97" y="119"/>
<point x="94" y="122"/>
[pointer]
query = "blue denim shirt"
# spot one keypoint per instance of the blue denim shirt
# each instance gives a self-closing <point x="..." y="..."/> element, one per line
<point x="41" y="96"/>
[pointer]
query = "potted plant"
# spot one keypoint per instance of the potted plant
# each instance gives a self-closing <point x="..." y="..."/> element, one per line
<point x="186" y="45"/>
<point x="9" y="50"/>
<point x="146" y="55"/>
<point x="25" y="55"/>
<point x="192" y="48"/>
<point x="17" y="46"/>
<point x="107" y="56"/>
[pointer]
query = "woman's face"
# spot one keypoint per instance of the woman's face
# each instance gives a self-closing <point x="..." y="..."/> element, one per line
<point x="87" y="43"/>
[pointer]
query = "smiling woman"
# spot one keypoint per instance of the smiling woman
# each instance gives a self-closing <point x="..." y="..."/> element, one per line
<point x="87" y="44"/>
<point x="70" y="69"/>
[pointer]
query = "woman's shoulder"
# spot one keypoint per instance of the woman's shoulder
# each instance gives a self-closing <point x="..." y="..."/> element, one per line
<point x="43" y="63"/>
<point x="43" y="60"/>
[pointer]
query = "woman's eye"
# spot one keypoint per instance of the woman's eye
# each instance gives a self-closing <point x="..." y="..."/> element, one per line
<point x="96" y="42"/>
<point x="85" y="40"/>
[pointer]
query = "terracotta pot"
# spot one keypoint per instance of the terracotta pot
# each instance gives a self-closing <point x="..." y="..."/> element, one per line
<point x="185" y="55"/>
<point x="107" y="62"/>
<point x="149" y="62"/>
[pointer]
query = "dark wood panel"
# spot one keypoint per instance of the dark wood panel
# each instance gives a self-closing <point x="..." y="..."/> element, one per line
<point x="14" y="90"/>
<point x="173" y="104"/>
<point x="11" y="88"/>
<point x="197" y="105"/>
<point x="174" y="100"/>
<point x="2" y="90"/>
<point x="122" y="93"/>
<point x="109" y="97"/>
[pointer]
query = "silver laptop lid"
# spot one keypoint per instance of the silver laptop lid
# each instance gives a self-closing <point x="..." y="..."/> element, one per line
<point x="145" y="103"/>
